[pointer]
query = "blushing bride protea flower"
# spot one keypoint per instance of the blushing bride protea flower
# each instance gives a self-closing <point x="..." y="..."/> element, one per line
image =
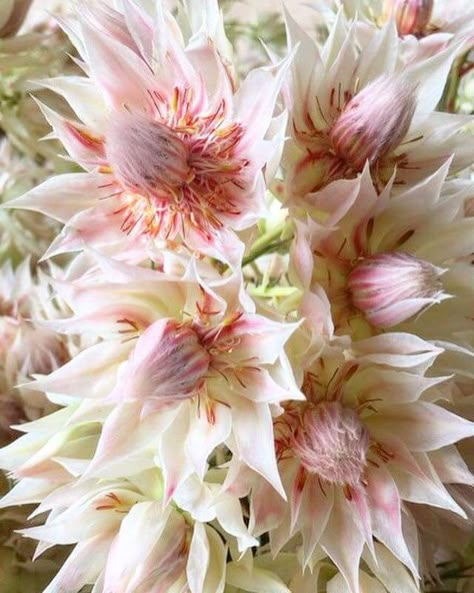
<point x="355" y="452"/>
<point x="26" y="347"/>
<point x="173" y="151"/>
<point x="356" y="101"/>
<point x="425" y="27"/>
<point x="183" y="367"/>
<point x="386" y="261"/>
<point x="125" y="541"/>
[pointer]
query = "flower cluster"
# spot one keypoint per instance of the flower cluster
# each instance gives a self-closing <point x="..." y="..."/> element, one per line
<point x="248" y="364"/>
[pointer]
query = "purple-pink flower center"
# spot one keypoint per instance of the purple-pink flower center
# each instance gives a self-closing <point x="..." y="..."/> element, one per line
<point x="168" y="363"/>
<point x="389" y="288"/>
<point x="332" y="443"/>
<point x="146" y="156"/>
<point x="374" y="121"/>
<point x="176" y="169"/>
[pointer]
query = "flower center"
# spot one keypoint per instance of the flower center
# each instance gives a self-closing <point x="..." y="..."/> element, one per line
<point x="390" y="288"/>
<point x="332" y="442"/>
<point x="373" y="122"/>
<point x="146" y="156"/>
<point x="168" y="363"/>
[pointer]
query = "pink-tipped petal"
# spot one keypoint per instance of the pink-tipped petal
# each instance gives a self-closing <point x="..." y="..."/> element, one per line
<point x="341" y="527"/>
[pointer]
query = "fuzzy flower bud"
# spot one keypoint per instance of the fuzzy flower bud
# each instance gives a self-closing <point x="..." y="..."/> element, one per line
<point x="374" y="121"/>
<point x="146" y="155"/>
<point x="389" y="288"/>
<point x="332" y="443"/>
<point x="168" y="363"/>
<point x="12" y="15"/>
<point x="411" y="16"/>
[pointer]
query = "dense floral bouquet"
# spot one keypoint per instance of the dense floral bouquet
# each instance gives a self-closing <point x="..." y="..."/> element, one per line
<point x="237" y="323"/>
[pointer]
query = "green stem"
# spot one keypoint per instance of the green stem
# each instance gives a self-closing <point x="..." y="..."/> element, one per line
<point x="456" y="572"/>
<point x="448" y="101"/>
<point x="267" y="243"/>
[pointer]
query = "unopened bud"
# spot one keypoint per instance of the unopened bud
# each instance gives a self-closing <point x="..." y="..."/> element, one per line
<point x="389" y="288"/>
<point x="374" y="121"/>
<point x="411" y="16"/>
